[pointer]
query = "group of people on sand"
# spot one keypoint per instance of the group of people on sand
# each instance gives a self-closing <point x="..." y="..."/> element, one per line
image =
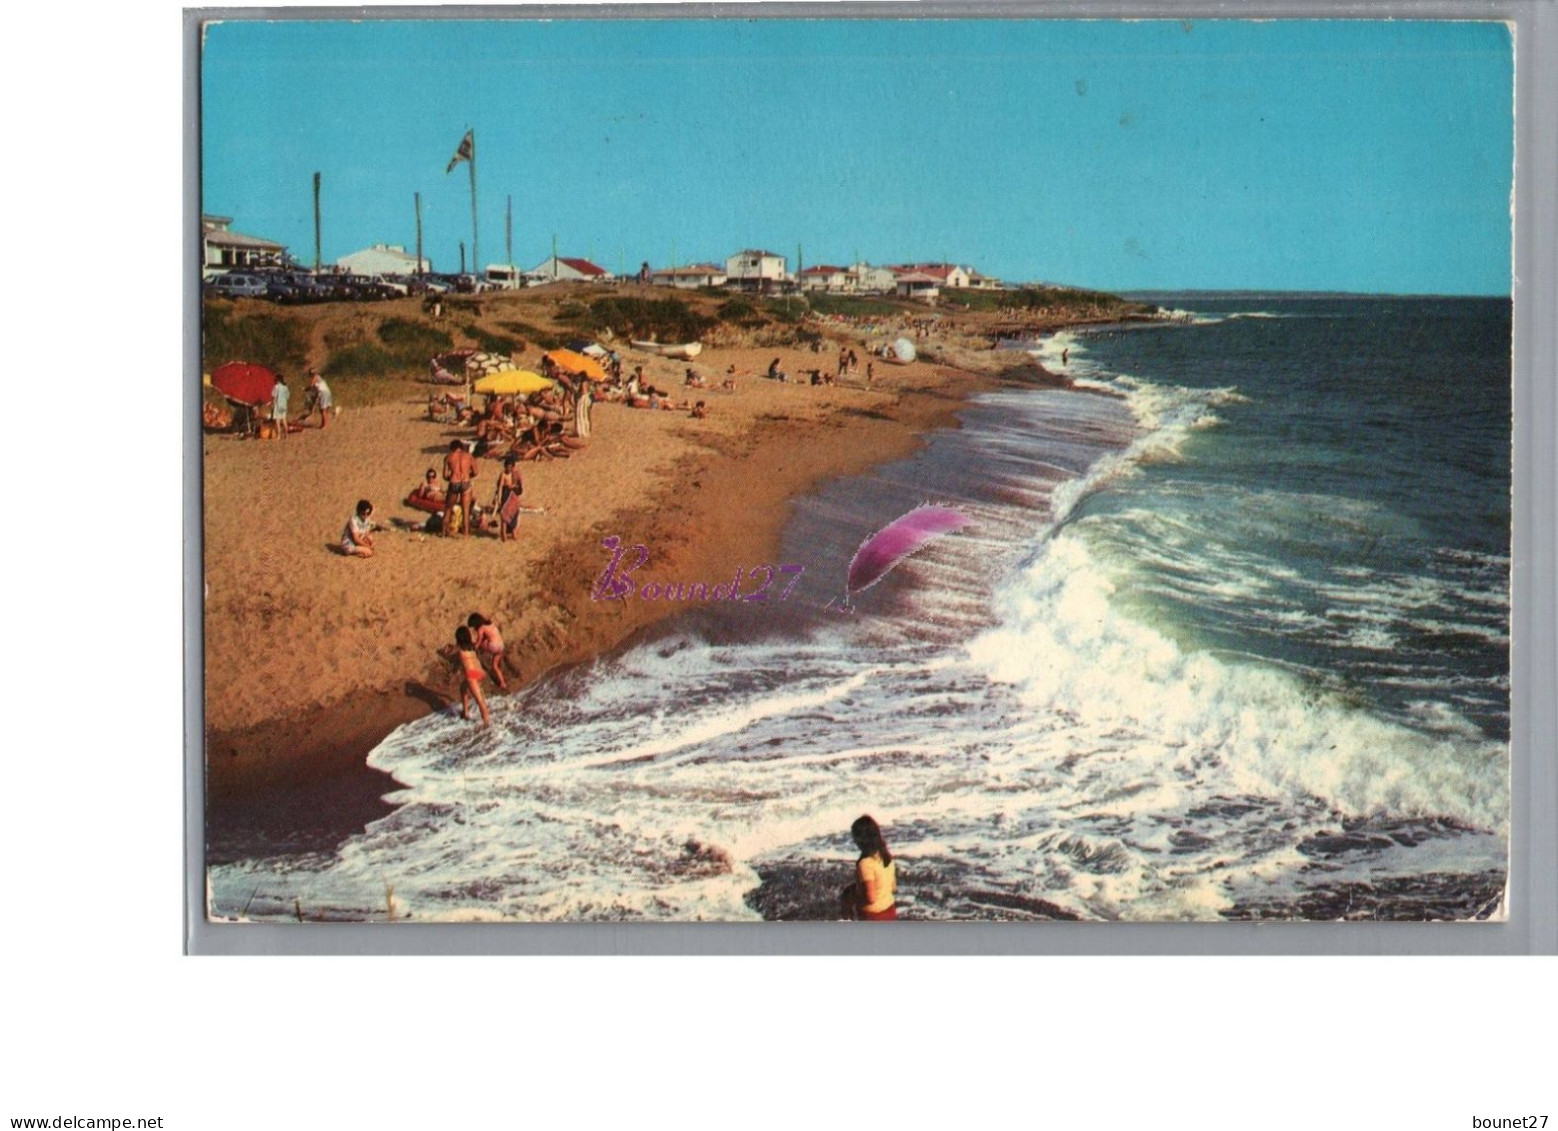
<point x="318" y="399"/>
<point x="637" y="392"/>
<point x="457" y="512"/>
<point x="477" y="651"/>
<point x="849" y="361"/>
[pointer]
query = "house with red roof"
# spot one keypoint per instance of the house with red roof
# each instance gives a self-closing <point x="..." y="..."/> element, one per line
<point x="945" y="274"/>
<point x="559" y="268"/>
<point x="825" y="277"/>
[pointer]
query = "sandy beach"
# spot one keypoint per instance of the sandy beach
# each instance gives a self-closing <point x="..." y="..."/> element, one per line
<point x="311" y="658"/>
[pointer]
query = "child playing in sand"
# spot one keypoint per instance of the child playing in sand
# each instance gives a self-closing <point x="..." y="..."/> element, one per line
<point x="471" y="674"/>
<point x="489" y="645"/>
<point x="506" y="502"/>
<point x="357" y="537"/>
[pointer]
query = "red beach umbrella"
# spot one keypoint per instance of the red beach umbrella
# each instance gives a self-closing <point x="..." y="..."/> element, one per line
<point x="243" y="382"/>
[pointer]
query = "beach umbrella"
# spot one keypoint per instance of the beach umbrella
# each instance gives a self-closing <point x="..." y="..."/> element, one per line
<point x="512" y="383"/>
<point x="480" y="363"/>
<point x="243" y="382"/>
<point x="880" y="554"/>
<point x="570" y="362"/>
<point x="903" y="350"/>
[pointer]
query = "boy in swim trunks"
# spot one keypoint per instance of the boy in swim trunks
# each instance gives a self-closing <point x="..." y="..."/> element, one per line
<point x="459" y="470"/>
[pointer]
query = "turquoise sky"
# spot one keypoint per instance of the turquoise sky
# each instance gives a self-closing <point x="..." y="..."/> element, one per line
<point x="1323" y="155"/>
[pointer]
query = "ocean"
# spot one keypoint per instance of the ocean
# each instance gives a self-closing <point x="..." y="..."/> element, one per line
<point x="1226" y="638"/>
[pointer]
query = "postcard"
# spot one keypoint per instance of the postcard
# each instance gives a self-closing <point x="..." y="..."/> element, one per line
<point x="711" y="470"/>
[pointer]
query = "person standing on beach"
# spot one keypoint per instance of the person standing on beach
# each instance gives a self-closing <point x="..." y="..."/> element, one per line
<point x="872" y="895"/>
<point x="459" y="471"/>
<point x="320" y="393"/>
<point x="279" y="396"/>
<point x="510" y="487"/>
<point x="581" y="411"/>
<point x="357" y="537"/>
<point x="471" y="675"/>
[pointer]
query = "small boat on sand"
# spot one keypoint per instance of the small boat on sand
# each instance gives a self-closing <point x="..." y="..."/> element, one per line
<point x="684" y="352"/>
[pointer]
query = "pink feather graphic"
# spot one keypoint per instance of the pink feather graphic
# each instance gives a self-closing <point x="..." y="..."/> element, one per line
<point x="880" y="554"/>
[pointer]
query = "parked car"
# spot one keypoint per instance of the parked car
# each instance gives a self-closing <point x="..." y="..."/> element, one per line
<point x="296" y="288"/>
<point x="398" y="286"/>
<point x="369" y="288"/>
<point x="237" y="285"/>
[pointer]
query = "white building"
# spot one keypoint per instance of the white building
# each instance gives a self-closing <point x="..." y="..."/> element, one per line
<point x="562" y="269"/>
<point x="382" y="259"/>
<point x="755" y="270"/>
<point x="873" y="280"/>
<point x="917" y="284"/>
<point x="945" y="274"/>
<point x="222" y="249"/>
<point x="824" y="277"/>
<point x="690" y="277"/>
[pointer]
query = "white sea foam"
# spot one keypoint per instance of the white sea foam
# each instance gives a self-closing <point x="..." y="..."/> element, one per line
<point x="1067" y="649"/>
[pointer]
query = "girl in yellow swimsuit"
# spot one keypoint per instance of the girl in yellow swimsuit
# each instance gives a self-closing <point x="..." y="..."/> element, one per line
<point x="876" y="874"/>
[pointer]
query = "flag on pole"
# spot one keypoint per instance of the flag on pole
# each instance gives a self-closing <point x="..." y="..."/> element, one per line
<point x="466" y="151"/>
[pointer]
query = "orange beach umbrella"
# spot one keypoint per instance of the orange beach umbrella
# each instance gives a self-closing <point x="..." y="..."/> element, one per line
<point x="570" y="362"/>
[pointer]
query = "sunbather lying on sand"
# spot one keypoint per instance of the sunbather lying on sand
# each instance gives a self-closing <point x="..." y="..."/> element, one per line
<point x="428" y="489"/>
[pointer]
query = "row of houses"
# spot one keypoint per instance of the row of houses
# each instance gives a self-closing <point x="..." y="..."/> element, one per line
<point x="751" y="269"/>
<point x="758" y="270"/>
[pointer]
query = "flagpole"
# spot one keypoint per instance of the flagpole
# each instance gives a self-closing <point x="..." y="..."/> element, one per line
<point x="475" y="246"/>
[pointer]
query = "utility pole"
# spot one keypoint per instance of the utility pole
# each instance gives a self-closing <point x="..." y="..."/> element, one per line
<point x="462" y="257"/>
<point x="316" y="224"/>
<point x="417" y="197"/>
<point x="508" y="235"/>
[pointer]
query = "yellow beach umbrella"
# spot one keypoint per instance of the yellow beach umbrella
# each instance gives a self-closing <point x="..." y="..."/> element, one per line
<point x="570" y="362"/>
<point x="512" y="383"/>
